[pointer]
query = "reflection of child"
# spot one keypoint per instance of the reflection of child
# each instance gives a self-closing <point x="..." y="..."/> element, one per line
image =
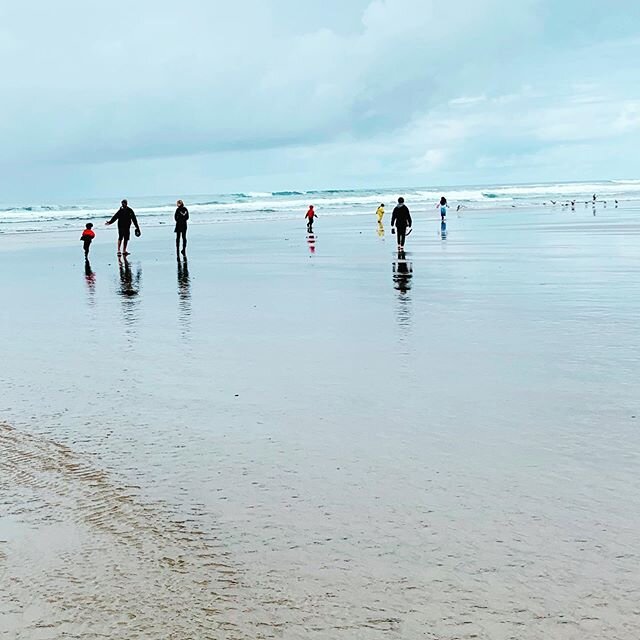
<point x="311" y="214"/>
<point x="87" y="236"/>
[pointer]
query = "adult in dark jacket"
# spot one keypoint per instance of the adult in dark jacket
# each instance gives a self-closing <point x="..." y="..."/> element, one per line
<point x="125" y="217"/>
<point x="181" y="216"/>
<point x="401" y="219"/>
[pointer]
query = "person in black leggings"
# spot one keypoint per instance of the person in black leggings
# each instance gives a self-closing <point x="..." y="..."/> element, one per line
<point x="401" y="219"/>
<point x="181" y="216"/>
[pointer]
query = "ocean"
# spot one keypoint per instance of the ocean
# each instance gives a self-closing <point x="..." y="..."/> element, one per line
<point x="279" y="205"/>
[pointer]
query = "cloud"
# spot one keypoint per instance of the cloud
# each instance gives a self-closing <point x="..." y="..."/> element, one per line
<point x="364" y="90"/>
<point x="145" y="79"/>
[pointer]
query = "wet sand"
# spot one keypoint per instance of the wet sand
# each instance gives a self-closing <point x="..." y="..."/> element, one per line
<point x="311" y="438"/>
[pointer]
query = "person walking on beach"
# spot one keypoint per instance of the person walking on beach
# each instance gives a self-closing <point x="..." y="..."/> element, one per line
<point x="401" y="219"/>
<point x="443" y="208"/>
<point x="181" y="216"/>
<point x="125" y="217"/>
<point x="87" y="236"/>
<point x="380" y="213"/>
<point x="310" y="215"/>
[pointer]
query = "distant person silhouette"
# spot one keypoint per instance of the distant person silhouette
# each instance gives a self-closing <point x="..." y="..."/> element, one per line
<point x="181" y="216"/>
<point x="401" y="220"/>
<point x="125" y="217"/>
<point x="309" y="216"/>
<point x="87" y="236"/>
<point x="443" y="208"/>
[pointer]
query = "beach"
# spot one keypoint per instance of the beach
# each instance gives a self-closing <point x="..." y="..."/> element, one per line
<point x="294" y="437"/>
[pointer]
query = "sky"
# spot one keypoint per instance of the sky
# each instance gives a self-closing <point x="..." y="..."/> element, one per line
<point x="202" y="96"/>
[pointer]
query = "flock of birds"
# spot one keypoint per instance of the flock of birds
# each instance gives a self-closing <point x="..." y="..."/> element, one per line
<point x="572" y="203"/>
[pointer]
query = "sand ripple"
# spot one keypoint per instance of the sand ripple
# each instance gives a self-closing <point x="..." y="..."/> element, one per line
<point x="82" y="557"/>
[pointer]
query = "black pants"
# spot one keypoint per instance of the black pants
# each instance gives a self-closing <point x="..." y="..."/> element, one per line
<point x="87" y="244"/>
<point x="401" y="232"/>
<point x="179" y="233"/>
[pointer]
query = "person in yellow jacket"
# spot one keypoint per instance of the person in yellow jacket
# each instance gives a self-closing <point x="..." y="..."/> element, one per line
<point x="380" y="213"/>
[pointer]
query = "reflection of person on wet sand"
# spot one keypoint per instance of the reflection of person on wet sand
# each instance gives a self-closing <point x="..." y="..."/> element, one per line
<point x="183" y="279"/>
<point x="402" y="273"/>
<point x="129" y="290"/>
<point x="311" y="241"/>
<point x="443" y="229"/>
<point x="380" y="230"/>
<point x="90" y="279"/>
<point x="129" y="286"/>
<point x="184" y="289"/>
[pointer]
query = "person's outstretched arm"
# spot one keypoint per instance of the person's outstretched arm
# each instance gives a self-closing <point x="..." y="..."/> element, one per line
<point x="134" y="220"/>
<point x="116" y="215"/>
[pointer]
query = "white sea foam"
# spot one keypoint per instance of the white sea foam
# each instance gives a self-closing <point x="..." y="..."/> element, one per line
<point x="258" y="205"/>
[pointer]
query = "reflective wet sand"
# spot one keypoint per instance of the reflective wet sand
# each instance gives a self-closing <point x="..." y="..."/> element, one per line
<point x="83" y="557"/>
<point x="275" y="441"/>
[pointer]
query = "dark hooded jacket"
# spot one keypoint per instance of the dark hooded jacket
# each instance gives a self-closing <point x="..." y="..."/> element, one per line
<point x="401" y="217"/>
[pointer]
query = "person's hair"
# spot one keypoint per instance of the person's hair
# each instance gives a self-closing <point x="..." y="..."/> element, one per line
<point x="382" y="205"/>
<point x="124" y="201"/>
<point x="310" y="206"/>
<point x="180" y="203"/>
<point x="89" y="225"/>
<point x="443" y="200"/>
<point x="400" y="200"/>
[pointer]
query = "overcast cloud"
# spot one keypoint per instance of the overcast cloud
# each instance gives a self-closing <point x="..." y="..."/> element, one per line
<point x="201" y="96"/>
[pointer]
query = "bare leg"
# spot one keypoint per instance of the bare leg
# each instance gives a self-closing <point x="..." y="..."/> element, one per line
<point x="119" y="243"/>
<point x="124" y="247"/>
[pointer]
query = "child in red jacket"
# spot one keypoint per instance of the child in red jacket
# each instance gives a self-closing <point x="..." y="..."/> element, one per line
<point x="87" y="236"/>
<point x="310" y="215"/>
